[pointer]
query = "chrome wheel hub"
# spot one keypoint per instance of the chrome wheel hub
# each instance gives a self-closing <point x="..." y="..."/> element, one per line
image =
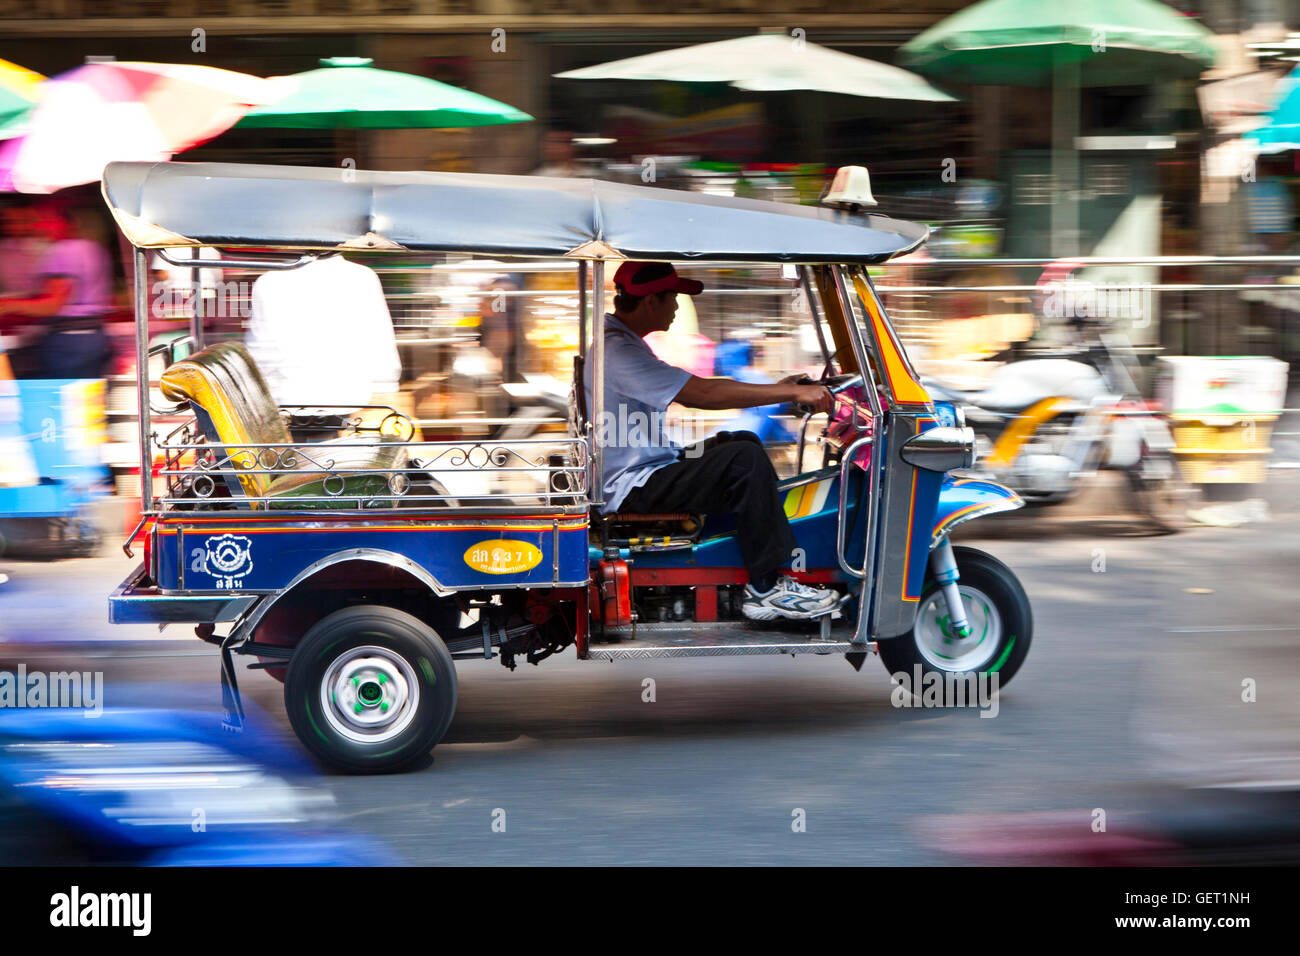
<point x="369" y="694"/>
<point x="939" y="644"/>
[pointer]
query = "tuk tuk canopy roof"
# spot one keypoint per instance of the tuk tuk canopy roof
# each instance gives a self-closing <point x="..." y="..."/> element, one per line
<point x="162" y="205"/>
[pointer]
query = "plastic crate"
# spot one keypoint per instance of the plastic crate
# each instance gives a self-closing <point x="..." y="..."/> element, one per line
<point x="1194" y="436"/>
<point x="1223" y="469"/>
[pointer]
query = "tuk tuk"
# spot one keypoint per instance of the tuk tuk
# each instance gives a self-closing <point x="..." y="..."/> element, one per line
<point x="358" y="569"/>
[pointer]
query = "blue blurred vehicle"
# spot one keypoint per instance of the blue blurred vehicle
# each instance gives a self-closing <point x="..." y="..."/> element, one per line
<point x="160" y="787"/>
<point x="52" y="430"/>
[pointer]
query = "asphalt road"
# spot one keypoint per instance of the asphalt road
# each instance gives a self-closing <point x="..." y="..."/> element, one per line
<point x="1132" y="682"/>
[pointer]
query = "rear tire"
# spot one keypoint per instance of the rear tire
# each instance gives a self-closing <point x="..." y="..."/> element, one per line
<point x="370" y="689"/>
<point x="998" y="610"/>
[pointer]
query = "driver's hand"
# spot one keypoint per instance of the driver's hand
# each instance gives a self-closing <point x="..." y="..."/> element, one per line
<point x="815" y="397"/>
<point x="798" y="378"/>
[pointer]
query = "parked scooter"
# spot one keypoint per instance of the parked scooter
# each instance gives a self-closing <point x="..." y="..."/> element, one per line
<point x="1045" y="426"/>
<point x="534" y="402"/>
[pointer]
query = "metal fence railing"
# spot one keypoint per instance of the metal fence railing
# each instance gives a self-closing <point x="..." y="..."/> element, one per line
<point x="1190" y="305"/>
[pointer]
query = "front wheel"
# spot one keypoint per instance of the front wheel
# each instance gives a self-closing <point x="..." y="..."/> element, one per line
<point x="1002" y="626"/>
<point x="370" y="689"/>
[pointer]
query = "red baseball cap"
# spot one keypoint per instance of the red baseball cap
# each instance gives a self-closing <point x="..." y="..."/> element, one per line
<point x="647" y="278"/>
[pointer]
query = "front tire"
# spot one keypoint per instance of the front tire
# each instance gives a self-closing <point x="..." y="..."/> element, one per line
<point x="1000" y="617"/>
<point x="370" y="689"/>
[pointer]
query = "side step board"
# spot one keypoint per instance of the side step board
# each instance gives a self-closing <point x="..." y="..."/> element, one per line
<point x="666" y="641"/>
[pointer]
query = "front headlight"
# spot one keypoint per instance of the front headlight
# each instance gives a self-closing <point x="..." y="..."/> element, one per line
<point x="940" y="449"/>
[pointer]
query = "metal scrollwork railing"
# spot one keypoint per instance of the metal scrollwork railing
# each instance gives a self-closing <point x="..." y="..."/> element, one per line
<point x="478" y="455"/>
<point x="352" y="472"/>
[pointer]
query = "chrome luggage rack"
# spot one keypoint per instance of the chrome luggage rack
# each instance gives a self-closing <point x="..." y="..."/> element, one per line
<point x="548" y="472"/>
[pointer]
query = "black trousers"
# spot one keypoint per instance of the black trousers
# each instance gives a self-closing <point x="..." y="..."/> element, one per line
<point x="728" y="473"/>
<point x="65" y="353"/>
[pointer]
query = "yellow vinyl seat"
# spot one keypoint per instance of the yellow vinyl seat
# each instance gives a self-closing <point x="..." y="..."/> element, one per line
<point x="237" y="413"/>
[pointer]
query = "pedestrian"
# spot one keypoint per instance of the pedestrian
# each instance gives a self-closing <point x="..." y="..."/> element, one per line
<point x="501" y="331"/>
<point x="20" y="248"/>
<point x="560" y="155"/>
<point x="73" y="294"/>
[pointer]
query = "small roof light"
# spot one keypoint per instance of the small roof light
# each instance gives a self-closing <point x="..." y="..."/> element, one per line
<point x="850" y="189"/>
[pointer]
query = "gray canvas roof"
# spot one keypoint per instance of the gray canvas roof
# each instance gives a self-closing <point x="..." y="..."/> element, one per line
<point x="180" y="204"/>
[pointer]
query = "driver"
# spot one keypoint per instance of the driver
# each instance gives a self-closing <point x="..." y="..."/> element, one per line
<point x="646" y="472"/>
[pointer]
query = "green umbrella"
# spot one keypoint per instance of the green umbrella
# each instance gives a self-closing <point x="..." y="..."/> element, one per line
<point x="347" y="93"/>
<point x="1065" y="44"/>
<point x="13" y="106"/>
<point x="1025" y="42"/>
<point x="19" y="91"/>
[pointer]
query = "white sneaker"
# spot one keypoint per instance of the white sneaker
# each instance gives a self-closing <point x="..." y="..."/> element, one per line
<point x="788" y="599"/>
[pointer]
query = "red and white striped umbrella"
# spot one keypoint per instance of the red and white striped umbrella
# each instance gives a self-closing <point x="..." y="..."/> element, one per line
<point x="107" y="111"/>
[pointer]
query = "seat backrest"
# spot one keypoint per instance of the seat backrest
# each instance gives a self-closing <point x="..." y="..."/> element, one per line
<point x="233" y="405"/>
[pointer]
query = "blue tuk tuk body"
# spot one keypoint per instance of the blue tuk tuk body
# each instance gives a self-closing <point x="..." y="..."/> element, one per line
<point x="358" y="569"/>
<point x="269" y="555"/>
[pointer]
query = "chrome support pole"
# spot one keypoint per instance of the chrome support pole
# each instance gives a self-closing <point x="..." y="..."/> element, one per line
<point x="815" y="314"/>
<point x="597" y="410"/>
<point x="196" y="287"/>
<point x="584" y="428"/>
<point x="846" y="462"/>
<point x="862" y="347"/>
<point x="142" y="376"/>
<point x="582" y="310"/>
<point x="265" y="264"/>
<point x="862" y="633"/>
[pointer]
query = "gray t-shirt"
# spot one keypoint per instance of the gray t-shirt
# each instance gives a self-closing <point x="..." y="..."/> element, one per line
<point x="88" y="266"/>
<point x="639" y="387"/>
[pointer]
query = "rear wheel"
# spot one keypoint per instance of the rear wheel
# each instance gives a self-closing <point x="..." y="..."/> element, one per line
<point x="370" y="689"/>
<point x="1001" y="621"/>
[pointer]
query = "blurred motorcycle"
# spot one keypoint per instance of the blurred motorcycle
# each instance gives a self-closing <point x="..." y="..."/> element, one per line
<point x="536" y="402"/>
<point x="1044" y="426"/>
